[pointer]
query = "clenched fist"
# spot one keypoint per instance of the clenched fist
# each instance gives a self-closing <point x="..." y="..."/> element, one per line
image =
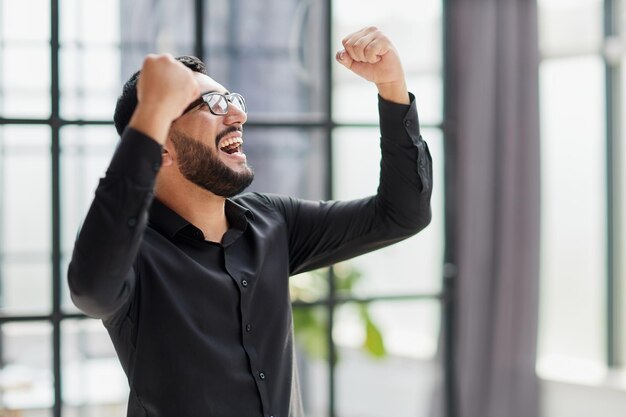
<point x="370" y="54"/>
<point x="164" y="89"/>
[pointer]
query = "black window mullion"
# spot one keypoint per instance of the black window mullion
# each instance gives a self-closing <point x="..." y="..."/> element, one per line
<point x="612" y="192"/>
<point x="55" y="126"/>
<point x="199" y="30"/>
<point x="329" y="130"/>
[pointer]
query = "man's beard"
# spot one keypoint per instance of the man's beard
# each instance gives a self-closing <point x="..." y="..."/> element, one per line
<point x="199" y="164"/>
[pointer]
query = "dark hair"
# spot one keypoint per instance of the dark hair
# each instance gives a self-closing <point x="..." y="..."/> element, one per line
<point x="127" y="101"/>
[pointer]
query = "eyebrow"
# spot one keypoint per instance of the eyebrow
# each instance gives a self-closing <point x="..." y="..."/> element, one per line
<point x="225" y="92"/>
<point x="192" y="105"/>
<point x="215" y="91"/>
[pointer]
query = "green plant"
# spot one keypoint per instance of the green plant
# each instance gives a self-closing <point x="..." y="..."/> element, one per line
<point x="311" y="323"/>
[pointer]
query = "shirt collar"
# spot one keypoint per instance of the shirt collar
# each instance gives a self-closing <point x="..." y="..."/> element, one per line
<point x="170" y="223"/>
<point x="166" y="220"/>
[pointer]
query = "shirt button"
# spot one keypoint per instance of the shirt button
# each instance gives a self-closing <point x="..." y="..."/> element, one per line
<point x="244" y="282"/>
<point x="132" y="222"/>
<point x="261" y="375"/>
<point x="248" y="327"/>
<point x="156" y="166"/>
<point x="407" y="123"/>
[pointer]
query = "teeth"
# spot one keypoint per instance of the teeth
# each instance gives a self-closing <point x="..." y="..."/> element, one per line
<point x="230" y="141"/>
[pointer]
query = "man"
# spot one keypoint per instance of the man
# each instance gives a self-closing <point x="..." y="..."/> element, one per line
<point x="192" y="285"/>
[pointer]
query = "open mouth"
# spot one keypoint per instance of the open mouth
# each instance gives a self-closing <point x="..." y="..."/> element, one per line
<point x="231" y="145"/>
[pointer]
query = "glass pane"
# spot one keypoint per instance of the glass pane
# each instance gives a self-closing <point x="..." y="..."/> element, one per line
<point x="25" y="285"/>
<point x="83" y="95"/>
<point x="25" y="68"/>
<point x="148" y="27"/>
<point x="94" y="384"/>
<point x="26" y="375"/>
<point x="25" y="189"/>
<point x="89" y="59"/>
<point x="287" y="161"/>
<point x="310" y="327"/>
<point x="356" y="101"/>
<point x="25" y="219"/>
<point x="90" y="22"/>
<point x="25" y="20"/>
<point x="573" y="251"/>
<point x="278" y="67"/>
<point x="415" y="28"/>
<point x="386" y="363"/>
<point x="312" y="286"/>
<point x="85" y="156"/>
<point x="570" y="27"/>
<point x="25" y="80"/>
<point x="428" y="91"/>
<point x="413" y="265"/>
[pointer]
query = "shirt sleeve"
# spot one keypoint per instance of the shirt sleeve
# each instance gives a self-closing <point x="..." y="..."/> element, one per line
<point x="325" y="232"/>
<point x="101" y="276"/>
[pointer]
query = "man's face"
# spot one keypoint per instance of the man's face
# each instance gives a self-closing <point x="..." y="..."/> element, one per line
<point x="208" y="148"/>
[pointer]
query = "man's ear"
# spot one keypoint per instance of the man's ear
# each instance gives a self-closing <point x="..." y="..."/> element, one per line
<point x="167" y="158"/>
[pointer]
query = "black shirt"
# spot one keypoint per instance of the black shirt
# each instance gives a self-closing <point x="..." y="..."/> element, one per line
<point x="204" y="328"/>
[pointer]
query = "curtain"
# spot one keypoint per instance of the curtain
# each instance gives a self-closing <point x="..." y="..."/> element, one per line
<point x="493" y="140"/>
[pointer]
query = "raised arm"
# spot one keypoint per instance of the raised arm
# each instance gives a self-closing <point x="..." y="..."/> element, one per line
<point x="322" y="233"/>
<point x="101" y="275"/>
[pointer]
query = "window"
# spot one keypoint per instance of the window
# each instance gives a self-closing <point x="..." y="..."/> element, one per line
<point x="582" y="188"/>
<point x="62" y="64"/>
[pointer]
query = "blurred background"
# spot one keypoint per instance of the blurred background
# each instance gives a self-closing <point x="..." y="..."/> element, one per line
<point x="378" y="335"/>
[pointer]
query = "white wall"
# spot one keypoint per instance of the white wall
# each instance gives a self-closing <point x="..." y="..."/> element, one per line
<point x="570" y="399"/>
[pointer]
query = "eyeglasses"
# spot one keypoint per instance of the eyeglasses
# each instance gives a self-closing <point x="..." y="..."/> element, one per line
<point x="218" y="103"/>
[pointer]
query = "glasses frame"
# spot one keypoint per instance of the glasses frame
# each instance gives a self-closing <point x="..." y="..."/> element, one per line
<point x="229" y="97"/>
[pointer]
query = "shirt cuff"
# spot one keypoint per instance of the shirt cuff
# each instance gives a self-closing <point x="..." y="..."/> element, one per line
<point x="137" y="157"/>
<point x="399" y="124"/>
<point x="399" y="119"/>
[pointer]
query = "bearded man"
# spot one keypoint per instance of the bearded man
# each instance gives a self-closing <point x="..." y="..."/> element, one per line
<point x="190" y="277"/>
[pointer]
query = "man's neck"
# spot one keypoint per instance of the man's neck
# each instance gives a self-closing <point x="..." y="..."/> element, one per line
<point x="201" y="208"/>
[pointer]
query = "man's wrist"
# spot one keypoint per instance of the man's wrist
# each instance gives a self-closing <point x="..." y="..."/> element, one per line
<point x="395" y="92"/>
<point x="397" y="120"/>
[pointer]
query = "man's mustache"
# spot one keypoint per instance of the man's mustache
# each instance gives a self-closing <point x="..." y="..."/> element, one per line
<point x="225" y="132"/>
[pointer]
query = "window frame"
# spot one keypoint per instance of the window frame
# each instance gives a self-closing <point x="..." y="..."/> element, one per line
<point x="326" y="123"/>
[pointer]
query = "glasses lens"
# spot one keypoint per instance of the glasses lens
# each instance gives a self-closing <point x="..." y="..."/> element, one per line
<point x="238" y="101"/>
<point x="217" y="103"/>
